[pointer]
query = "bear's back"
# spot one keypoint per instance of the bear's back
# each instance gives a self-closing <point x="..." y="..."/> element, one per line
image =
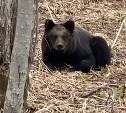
<point x="82" y="42"/>
<point x="82" y="38"/>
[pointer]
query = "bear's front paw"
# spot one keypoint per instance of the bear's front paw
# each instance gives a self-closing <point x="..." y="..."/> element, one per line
<point x="85" y="66"/>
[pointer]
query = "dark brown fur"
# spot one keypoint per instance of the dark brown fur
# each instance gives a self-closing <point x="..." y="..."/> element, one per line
<point x="67" y="44"/>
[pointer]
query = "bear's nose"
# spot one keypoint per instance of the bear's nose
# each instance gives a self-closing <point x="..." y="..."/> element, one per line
<point x="60" y="47"/>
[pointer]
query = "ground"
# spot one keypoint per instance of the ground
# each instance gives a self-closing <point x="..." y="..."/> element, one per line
<point x="77" y="92"/>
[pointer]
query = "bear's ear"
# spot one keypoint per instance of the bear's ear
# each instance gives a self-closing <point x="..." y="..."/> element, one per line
<point x="49" y="24"/>
<point x="69" y="25"/>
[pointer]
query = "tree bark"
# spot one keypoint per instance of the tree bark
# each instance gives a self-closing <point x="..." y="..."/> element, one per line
<point x="19" y="58"/>
<point x="6" y="28"/>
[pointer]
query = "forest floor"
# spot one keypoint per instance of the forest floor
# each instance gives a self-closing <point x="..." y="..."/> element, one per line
<point x="77" y="92"/>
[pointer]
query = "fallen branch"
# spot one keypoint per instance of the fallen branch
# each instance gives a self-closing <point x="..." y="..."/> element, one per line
<point x="118" y="33"/>
<point x="47" y="6"/>
<point x="92" y="92"/>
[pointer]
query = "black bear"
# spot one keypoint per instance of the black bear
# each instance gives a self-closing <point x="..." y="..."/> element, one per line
<point x="65" y="43"/>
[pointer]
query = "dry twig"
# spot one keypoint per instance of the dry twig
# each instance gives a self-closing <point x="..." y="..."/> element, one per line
<point x="118" y="33"/>
<point x="47" y="6"/>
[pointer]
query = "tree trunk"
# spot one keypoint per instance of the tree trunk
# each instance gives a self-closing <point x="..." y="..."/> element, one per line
<point x="8" y="20"/>
<point x="7" y="32"/>
<point x="19" y="59"/>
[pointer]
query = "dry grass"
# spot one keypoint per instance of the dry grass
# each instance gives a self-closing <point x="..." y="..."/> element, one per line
<point x="77" y="92"/>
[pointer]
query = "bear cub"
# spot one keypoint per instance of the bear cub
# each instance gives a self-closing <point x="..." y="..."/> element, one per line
<point x="65" y="43"/>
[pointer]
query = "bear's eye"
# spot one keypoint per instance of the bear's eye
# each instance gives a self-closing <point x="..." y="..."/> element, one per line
<point x="64" y="37"/>
<point x="54" y="36"/>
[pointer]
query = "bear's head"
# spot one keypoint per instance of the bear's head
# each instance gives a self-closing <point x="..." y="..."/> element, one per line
<point x="59" y="36"/>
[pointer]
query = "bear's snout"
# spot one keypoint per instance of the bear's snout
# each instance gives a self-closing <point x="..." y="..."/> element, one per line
<point x="60" y="47"/>
<point x="59" y="44"/>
